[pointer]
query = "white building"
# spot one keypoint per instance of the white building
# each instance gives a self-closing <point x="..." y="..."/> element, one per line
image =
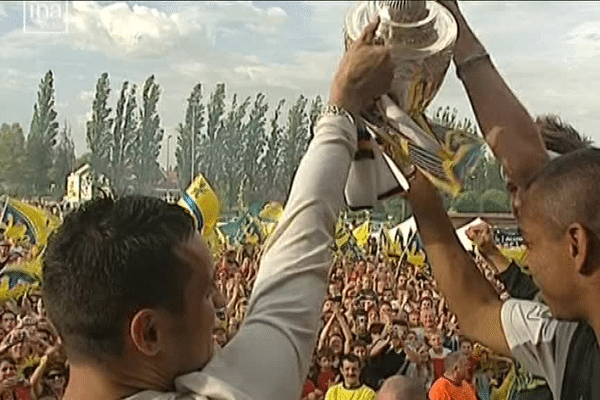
<point x="79" y="186"/>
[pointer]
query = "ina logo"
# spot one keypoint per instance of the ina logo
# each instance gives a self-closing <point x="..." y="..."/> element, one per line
<point x="45" y="16"/>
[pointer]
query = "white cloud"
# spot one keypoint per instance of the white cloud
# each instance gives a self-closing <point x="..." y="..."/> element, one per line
<point x="585" y="39"/>
<point x="118" y="29"/>
<point x="86" y="96"/>
<point x="276" y="13"/>
<point x="289" y="50"/>
<point x="140" y="31"/>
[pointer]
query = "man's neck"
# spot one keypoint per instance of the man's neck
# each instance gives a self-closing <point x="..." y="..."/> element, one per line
<point x="453" y="378"/>
<point x="86" y="383"/>
<point x="93" y="382"/>
<point x="356" y="385"/>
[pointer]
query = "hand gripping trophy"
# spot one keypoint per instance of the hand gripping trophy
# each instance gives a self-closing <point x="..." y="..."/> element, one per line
<point x="422" y="35"/>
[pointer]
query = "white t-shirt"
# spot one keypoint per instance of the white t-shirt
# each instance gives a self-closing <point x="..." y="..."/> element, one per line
<point x="435" y="355"/>
<point x="537" y="340"/>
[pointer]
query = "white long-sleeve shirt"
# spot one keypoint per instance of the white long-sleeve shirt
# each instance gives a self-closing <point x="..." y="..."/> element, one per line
<point x="269" y="357"/>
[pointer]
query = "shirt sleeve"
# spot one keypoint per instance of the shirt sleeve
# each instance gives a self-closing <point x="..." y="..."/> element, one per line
<point x="537" y="340"/>
<point x="269" y="357"/>
<point x="371" y="395"/>
<point x="518" y="284"/>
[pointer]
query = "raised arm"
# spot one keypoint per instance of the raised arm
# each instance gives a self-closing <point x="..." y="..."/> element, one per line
<point x="518" y="284"/>
<point x="467" y="292"/>
<point x="284" y="310"/>
<point x="325" y="332"/>
<point x="519" y="146"/>
<point x="481" y="235"/>
<point x="345" y="331"/>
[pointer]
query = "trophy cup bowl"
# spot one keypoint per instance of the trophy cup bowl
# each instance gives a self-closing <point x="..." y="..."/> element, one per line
<point x="421" y="34"/>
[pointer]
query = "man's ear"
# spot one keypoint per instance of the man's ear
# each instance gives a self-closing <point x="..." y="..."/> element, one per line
<point x="144" y="332"/>
<point x="580" y="248"/>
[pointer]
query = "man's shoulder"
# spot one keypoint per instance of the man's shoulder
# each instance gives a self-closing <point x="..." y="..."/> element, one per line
<point x="537" y="340"/>
<point x="439" y="387"/>
<point x="364" y="389"/>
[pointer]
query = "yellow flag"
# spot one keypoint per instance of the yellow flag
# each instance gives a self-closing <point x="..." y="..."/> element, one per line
<point x="416" y="258"/>
<point x="202" y="202"/>
<point x="362" y="233"/>
<point x="32" y="268"/>
<point x="341" y="233"/>
<point x="519" y="255"/>
<point x="272" y="211"/>
<point x="504" y="390"/>
<point x="392" y="247"/>
<point x="17" y="292"/>
<point x="24" y="222"/>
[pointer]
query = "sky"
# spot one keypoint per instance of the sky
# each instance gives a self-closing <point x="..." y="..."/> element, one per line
<point x="548" y="52"/>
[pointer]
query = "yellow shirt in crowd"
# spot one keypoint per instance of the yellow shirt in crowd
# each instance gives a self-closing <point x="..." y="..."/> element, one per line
<point x="339" y="392"/>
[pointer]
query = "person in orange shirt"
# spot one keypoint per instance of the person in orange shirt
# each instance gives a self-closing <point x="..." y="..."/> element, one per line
<point x="452" y="385"/>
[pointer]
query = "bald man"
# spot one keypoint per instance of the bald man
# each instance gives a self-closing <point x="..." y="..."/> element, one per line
<point x="401" y="388"/>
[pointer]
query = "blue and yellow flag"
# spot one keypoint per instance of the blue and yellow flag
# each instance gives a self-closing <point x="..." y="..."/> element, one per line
<point x="27" y="224"/>
<point x="17" y="291"/>
<point x="204" y="205"/>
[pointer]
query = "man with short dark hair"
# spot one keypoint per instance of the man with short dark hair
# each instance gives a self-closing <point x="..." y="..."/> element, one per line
<point x="351" y="387"/>
<point x="387" y="358"/>
<point x="556" y="205"/>
<point x="559" y="138"/>
<point x="129" y="283"/>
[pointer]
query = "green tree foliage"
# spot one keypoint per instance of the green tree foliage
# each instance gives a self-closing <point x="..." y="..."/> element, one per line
<point x="449" y="119"/>
<point x="42" y="137"/>
<point x="495" y="201"/>
<point x="122" y="140"/>
<point x="210" y="153"/>
<point x="294" y="142"/>
<point x="466" y="202"/>
<point x="148" y="139"/>
<point x="64" y="160"/>
<point x="194" y="121"/>
<point x="253" y="142"/>
<point x="12" y="156"/>
<point x="270" y="164"/>
<point x="231" y="175"/>
<point x="85" y="158"/>
<point x="98" y="133"/>
<point x="316" y="108"/>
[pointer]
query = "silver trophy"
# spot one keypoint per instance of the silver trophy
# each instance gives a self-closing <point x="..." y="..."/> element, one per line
<point x="422" y="35"/>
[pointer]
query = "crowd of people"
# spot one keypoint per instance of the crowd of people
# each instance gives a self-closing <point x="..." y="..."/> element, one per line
<point x="381" y="318"/>
<point x="33" y="363"/>
<point x="129" y="282"/>
<point x="386" y="316"/>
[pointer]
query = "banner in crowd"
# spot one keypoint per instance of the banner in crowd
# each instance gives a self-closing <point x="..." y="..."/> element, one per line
<point x="253" y="226"/>
<point x="26" y="224"/>
<point x="362" y="233"/>
<point x="202" y="202"/>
